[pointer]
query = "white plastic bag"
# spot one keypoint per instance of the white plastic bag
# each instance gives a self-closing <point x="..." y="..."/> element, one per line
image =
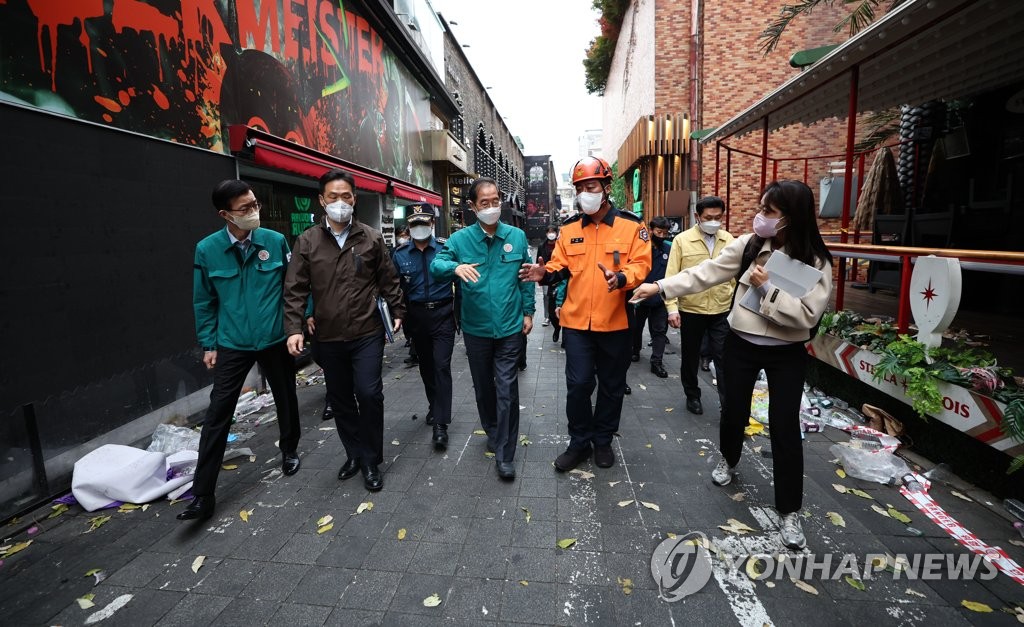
<point x="879" y="466"/>
<point x="169" y="439"/>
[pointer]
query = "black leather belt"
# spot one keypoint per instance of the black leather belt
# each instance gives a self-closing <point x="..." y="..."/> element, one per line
<point x="434" y="304"/>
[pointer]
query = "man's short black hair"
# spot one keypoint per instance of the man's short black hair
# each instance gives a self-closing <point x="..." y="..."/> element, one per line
<point x="474" y="187"/>
<point x="711" y="202"/>
<point x="336" y="175"/>
<point x="226" y="191"/>
<point x="661" y="222"/>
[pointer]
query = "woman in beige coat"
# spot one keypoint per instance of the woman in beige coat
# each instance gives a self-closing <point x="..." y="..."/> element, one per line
<point x="770" y="339"/>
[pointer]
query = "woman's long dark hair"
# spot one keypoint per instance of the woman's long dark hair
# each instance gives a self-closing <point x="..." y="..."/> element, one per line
<point x="796" y="202"/>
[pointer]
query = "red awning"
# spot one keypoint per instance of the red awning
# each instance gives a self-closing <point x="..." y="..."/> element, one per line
<point x="415" y="194"/>
<point x="274" y="152"/>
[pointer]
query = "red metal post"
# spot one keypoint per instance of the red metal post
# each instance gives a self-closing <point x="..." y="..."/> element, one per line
<point x="775" y="169"/>
<point x="718" y="161"/>
<point x="728" y="185"/>
<point x="903" y="312"/>
<point x="764" y="154"/>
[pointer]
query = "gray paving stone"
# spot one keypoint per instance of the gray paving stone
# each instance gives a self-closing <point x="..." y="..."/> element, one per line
<point x="303" y="548"/>
<point x="536" y="533"/>
<point x="143" y="569"/>
<point x="533" y="603"/>
<point x="341" y="617"/>
<point x="245" y="611"/>
<point x="391" y="554"/>
<point x="370" y="590"/>
<point x="345" y="552"/>
<point x="229" y="577"/>
<point x="321" y="586"/>
<point x="413" y="588"/>
<point x="483" y="561"/>
<point x="532" y="564"/>
<point x="491" y="532"/>
<point x="296" y="614"/>
<point x="449" y="528"/>
<point x="195" y="609"/>
<point x="275" y="581"/>
<point x="474" y="599"/>
<point x="433" y="558"/>
<point x="262" y="544"/>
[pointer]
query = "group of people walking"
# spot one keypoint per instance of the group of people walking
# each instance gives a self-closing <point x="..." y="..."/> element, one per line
<point x="607" y="276"/>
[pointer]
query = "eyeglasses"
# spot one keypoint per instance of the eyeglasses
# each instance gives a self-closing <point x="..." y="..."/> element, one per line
<point x="488" y="204"/>
<point x="248" y="208"/>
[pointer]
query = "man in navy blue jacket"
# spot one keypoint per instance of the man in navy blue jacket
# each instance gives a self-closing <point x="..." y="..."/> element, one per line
<point x="652" y="311"/>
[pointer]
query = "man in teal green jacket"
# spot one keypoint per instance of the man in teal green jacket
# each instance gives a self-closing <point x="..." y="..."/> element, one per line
<point x="238" y="298"/>
<point x="497" y="309"/>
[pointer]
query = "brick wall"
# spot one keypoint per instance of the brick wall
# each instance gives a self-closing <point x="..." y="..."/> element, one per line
<point x="672" y="56"/>
<point x="734" y="74"/>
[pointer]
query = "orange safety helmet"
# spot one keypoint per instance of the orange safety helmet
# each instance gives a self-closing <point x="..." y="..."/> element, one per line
<point x="589" y="168"/>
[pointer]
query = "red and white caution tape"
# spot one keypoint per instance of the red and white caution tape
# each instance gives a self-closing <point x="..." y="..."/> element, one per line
<point x="998" y="557"/>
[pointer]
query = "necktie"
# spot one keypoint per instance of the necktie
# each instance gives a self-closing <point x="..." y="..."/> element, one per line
<point x="243" y="247"/>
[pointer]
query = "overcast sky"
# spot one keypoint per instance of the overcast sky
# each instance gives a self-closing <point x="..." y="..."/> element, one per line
<point x="531" y="53"/>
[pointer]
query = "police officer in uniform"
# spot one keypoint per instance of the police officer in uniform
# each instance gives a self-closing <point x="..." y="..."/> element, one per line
<point x="430" y="317"/>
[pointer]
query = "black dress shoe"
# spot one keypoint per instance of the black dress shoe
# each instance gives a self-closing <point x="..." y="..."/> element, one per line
<point x="659" y="370"/>
<point x="604" y="457"/>
<point x="328" y="412"/>
<point x="429" y="420"/>
<point x="440" y="436"/>
<point x="635" y="357"/>
<point x="705" y="364"/>
<point x="554" y="336"/>
<point x="571" y="458"/>
<point x="290" y="465"/>
<point x="694" y="406"/>
<point x="522" y="367"/>
<point x="628" y="389"/>
<point x="506" y="470"/>
<point x="372" y="477"/>
<point x="349" y="469"/>
<point x="200" y="508"/>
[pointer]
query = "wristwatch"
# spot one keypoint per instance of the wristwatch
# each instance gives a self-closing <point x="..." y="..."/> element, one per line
<point x="209" y="349"/>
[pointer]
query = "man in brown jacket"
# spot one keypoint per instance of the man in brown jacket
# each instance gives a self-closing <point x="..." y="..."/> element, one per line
<point x="344" y="265"/>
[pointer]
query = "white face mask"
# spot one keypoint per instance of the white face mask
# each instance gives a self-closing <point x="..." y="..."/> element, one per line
<point x="248" y="222"/>
<point x="552" y="236"/>
<point x="711" y="226"/>
<point x="590" y="202"/>
<point x="420" y="232"/>
<point x="488" y="216"/>
<point x="339" y="211"/>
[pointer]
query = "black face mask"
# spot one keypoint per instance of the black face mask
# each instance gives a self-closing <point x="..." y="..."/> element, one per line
<point x="658" y="241"/>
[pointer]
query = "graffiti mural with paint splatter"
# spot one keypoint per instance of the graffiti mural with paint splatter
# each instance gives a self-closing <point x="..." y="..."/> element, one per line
<point x="312" y="71"/>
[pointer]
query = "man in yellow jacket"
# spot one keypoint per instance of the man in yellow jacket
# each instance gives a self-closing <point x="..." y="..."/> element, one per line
<point x="705" y="311"/>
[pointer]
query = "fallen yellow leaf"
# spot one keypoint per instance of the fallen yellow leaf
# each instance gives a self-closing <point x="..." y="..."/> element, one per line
<point x="523" y="441"/>
<point x="145" y="507"/>
<point x="915" y="593"/>
<point x="739" y="496"/>
<point x="527" y="514"/>
<point x="479" y="432"/>
<point x="855" y="583"/>
<point x="58" y="509"/>
<point x="669" y="408"/>
<point x="583" y="474"/>
<point x="16" y="548"/>
<point x="841" y="473"/>
<point x="612" y="484"/>
<point x="401" y="534"/>
<point x="653" y="506"/>
<point x="836" y="519"/>
<point x="395" y="442"/>
<point x="898" y="515"/>
<point x="879" y="510"/>
<point x="90" y="573"/>
<point x="840" y="488"/>
<point x="627" y="585"/>
<point x="229" y="466"/>
<point x="671" y="535"/>
<point x="735" y="526"/>
<point x="197" y="563"/>
<point x="365" y="506"/>
<point x="625" y="503"/>
<point x="324" y="520"/>
<point x="806" y="587"/>
<point x="648" y="445"/>
<point x="523" y="582"/>
<point x="432" y="601"/>
<point x="974" y="606"/>
<point x="566" y="543"/>
<point x="488" y="454"/>
<point x="244" y="514"/>
<point x="325" y="528"/>
<point x="960" y="495"/>
<point x="861" y="493"/>
<point x="85" y="601"/>
<point x="96" y="522"/>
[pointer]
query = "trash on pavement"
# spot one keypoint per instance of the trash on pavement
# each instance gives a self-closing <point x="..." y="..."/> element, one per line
<point x="879" y="466"/>
<point x="123" y="473"/>
<point x="169" y="439"/>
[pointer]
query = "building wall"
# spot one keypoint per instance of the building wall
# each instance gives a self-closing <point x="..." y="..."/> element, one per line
<point x="632" y="85"/>
<point x="479" y="114"/>
<point x="672" y="56"/>
<point x="734" y="74"/>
